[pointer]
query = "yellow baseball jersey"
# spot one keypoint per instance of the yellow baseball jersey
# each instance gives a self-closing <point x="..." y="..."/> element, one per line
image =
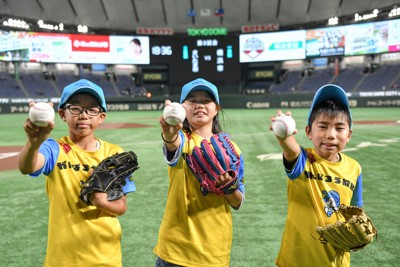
<point x="196" y="230"/>
<point x="316" y="188"/>
<point x="78" y="235"/>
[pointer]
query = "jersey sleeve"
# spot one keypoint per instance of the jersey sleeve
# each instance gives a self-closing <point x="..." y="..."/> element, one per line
<point x="129" y="186"/>
<point x="357" y="199"/>
<point x="174" y="160"/>
<point x="241" y="187"/>
<point x="298" y="166"/>
<point x="50" y="149"/>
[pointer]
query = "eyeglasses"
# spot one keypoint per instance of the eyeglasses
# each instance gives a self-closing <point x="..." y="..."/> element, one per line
<point x="77" y="110"/>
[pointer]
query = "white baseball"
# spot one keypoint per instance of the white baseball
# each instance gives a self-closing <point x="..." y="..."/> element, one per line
<point x="174" y="113"/>
<point x="283" y="126"/>
<point x="41" y="114"/>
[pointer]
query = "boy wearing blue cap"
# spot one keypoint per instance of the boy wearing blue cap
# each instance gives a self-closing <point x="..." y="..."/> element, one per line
<point x="320" y="179"/>
<point x="78" y="234"/>
<point x="196" y="229"/>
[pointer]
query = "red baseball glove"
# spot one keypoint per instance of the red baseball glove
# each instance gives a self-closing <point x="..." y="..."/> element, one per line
<point x="211" y="160"/>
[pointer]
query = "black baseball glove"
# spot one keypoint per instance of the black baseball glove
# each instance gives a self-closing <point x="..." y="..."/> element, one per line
<point x="110" y="176"/>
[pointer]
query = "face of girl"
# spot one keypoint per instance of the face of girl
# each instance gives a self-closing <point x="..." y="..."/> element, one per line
<point x="200" y="108"/>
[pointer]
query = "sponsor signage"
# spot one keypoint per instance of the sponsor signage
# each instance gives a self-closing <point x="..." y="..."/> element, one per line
<point x="260" y="74"/>
<point x="207" y="31"/>
<point x="155" y="76"/>
<point x="260" y="28"/>
<point x="274" y="46"/>
<point x="74" y="48"/>
<point x="155" y="31"/>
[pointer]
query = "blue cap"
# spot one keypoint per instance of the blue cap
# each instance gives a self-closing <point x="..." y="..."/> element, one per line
<point x="199" y="84"/>
<point x="329" y="92"/>
<point x="83" y="86"/>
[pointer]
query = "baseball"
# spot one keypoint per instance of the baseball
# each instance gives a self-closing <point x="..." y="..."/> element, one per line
<point x="41" y="114"/>
<point x="174" y="113"/>
<point x="283" y="126"/>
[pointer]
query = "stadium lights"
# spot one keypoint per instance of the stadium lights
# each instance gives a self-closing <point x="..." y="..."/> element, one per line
<point x="394" y="12"/>
<point x="333" y="21"/>
<point x="372" y="15"/>
<point x="48" y="26"/>
<point x="16" y="23"/>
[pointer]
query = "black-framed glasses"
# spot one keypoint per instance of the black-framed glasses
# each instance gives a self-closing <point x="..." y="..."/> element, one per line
<point x="77" y="110"/>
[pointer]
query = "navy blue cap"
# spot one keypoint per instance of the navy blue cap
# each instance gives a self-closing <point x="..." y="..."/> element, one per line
<point x="83" y="86"/>
<point x="199" y="84"/>
<point x="329" y="92"/>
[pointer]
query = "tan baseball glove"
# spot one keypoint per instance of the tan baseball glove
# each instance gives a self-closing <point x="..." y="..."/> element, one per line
<point x="356" y="232"/>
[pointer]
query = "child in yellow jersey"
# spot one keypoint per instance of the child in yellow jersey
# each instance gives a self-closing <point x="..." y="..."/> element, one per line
<point x="320" y="179"/>
<point x="196" y="229"/>
<point x="78" y="234"/>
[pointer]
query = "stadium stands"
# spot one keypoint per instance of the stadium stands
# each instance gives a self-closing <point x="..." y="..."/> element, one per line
<point x="37" y="86"/>
<point x="356" y="79"/>
<point x="290" y="83"/>
<point x="9" y="86"/>
<point x="100" y="79"/>
<point x="316" y="79"/>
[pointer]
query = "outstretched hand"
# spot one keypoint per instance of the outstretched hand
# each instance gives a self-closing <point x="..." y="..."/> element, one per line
<point x="280" y="113"/>
<point x="35" y="134"/>
<point x="169" y="131"/>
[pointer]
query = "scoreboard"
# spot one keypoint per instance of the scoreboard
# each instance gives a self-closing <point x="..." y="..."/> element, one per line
<point x="213" y="58"/>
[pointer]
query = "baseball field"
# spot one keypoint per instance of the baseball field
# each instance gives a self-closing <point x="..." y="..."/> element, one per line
<point x="258" y="225"/>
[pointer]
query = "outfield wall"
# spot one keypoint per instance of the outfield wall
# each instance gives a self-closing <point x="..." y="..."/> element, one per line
<point x="264" y="101"/>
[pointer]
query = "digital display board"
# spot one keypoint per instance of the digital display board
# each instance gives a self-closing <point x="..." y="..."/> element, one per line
<point x="14" y="46"/>
<point x="214" y="58"/>
<point x="272" y="46"/>
<point x="366" y="38"/>
<point x="350" y="40"/>
<point x="74" y="48"/>
<point x="325" y="42"/>
<point x="394" y="35"/>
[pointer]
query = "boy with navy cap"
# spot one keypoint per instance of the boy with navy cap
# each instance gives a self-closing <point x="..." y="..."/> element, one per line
<point x="78" y="234"/>
<point x="320" y="179"/>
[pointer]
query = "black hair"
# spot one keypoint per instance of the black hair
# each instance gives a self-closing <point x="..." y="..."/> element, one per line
<point x="332" y="109"/>
<point x="136" y="41"/>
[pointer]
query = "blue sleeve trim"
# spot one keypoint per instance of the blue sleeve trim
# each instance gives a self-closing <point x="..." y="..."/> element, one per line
<point x="357" y="199"/>
<point x="129" y="186"/>
<point x="50" y="150"/>
<point x="298" y="166"/>
<point x="241" y="187"/>
<point x="177" y="154"/>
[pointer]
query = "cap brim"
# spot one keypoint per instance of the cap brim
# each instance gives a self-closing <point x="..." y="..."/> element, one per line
<point x="89" y="91"/>
<point x="199" y="84"/>
<point x="196" y="88"/>
<point x="329" y="92"/>
<point x="83" y="86"/>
